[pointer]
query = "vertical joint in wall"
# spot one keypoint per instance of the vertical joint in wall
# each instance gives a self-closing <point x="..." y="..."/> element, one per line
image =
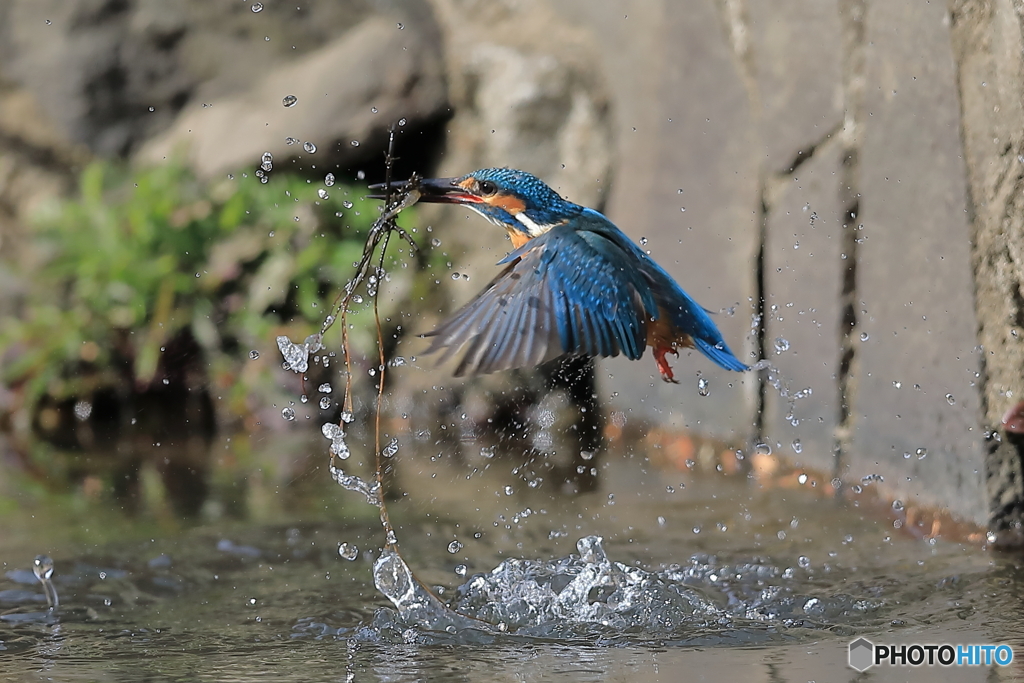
<point x="852" y="16"/>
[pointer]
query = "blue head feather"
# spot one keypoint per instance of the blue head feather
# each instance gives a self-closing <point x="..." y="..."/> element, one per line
<point x="519" y="200"/>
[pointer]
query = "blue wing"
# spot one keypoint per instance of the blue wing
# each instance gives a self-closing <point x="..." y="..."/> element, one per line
<point x="564" y="292"/>
<point x="685" y="314"/>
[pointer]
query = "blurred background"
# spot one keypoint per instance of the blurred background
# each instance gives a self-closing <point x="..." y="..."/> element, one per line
<point x="182" y="183"/>
<point x="837" y="181"/>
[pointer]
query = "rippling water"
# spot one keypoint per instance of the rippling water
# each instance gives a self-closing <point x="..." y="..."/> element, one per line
<point x="656" y="577"/>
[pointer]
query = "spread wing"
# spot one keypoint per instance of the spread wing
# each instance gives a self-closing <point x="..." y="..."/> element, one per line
<point x="564" y="292"/>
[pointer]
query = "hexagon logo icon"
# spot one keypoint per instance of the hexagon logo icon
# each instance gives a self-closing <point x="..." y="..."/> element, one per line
<point x="862" y="654"/>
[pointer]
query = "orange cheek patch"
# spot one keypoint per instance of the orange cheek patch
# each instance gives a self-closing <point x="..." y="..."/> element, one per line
<point x="511" y="204"/>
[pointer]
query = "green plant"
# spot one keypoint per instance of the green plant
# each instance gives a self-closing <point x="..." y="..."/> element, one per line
<point x="142" y="256"/>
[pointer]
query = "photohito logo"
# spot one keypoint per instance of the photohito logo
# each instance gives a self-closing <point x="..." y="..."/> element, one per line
<point x="864" y="654"/>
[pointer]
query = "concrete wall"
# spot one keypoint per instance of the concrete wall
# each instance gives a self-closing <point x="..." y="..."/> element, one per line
<point x="828" y="135"/>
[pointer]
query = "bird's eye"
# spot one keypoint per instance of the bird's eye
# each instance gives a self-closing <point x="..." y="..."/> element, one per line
<point x="487" y="188"/>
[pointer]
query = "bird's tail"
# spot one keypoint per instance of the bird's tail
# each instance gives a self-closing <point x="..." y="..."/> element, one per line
<point x="721" y="354"/>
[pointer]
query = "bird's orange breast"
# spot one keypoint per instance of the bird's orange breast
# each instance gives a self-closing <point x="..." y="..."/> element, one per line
<point x="518" y="237"/>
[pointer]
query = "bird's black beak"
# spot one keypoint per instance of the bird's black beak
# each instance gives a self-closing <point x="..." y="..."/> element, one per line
<point x="435" y="190"/>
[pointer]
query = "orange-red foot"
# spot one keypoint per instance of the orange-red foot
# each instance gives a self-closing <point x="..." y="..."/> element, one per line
<point x="663" y="366"/>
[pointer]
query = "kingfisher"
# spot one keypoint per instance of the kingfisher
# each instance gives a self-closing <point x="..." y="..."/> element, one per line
<point x="574" y="284"/>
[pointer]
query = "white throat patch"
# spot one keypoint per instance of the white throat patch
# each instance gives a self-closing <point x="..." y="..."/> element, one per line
<point x="532" y="228"/>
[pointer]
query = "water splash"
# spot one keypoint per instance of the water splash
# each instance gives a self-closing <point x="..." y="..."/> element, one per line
<point x="774" y="379"/>
<point x="415" y="604"/>
<point x="42" y="567"/>
<point x="296" y="356"/>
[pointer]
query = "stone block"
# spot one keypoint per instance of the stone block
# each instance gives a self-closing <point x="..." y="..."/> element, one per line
<point x="795" y="53"/>
<point x="916" y="368"/>
<point x="803" y="276"/>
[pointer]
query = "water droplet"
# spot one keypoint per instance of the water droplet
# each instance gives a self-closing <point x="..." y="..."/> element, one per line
<point x="83" y="409"/>
<point x="289" y="100"/>
<point x="347" y="417"/>
<point x="347" y="204"/>
<point x="781" y="345"/>
<point x="254" y="354"/>
<point x="587" y="455"/>
<point x="322" y="193"/>
<point x="400" y="26"/>
<point x="950" y="400"/>
<point x="288" y="413"/>
<point x="329" y="179"/>
<point x="360" y="175"/>
<point x="703" y="387"/>
<point x="803" y="561"/>
<point x="357" y="298"/>
<point x="509" y="490"/>
<point x="290" y="141"/>
<point x="42" y="567"/>
<point x="763" y="449"/>
<point x="434" y="242"/>
<point x="454" y="547"/>
<point x="325" y="388"/>
<point x="348" y="552"/>
<point x="897" y="384"/>
<point x="643" y="241"/>
<point x="325" y="403"/>
<point x="922" y="453"/>
<point x="309" y="147"/>
<point x="897" y="505"/>
<point x="461" y="569"/>
<point x="864" y="336"/>
<point x="797" y="446"/>
<point x="456" y="276"/>
<point x="401" y="122"/>
<point x="354" y="143"/>
<point x="802" y="479"/>
<point x="257" y="7"/>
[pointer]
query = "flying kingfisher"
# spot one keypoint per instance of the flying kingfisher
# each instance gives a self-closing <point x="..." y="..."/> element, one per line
<point x="573" y="285"/>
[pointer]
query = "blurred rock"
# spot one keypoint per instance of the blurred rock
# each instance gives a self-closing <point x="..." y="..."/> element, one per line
<point x="346" y="94"/>
<point x="111" y="73"/>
